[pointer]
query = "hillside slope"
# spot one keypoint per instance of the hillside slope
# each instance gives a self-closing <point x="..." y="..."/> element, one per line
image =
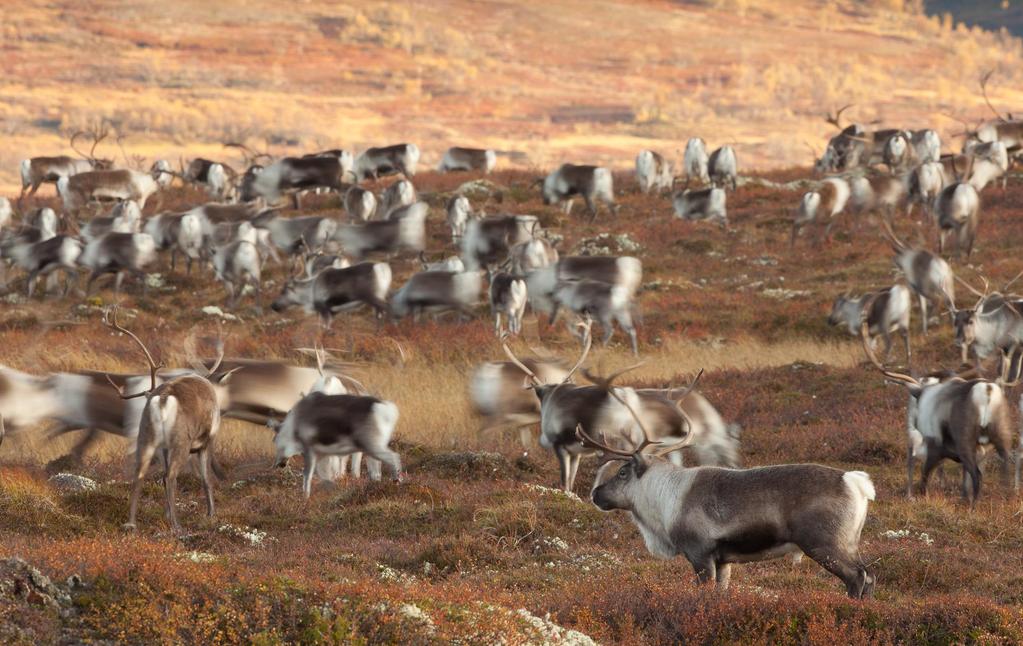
<point x="593" y="80"/>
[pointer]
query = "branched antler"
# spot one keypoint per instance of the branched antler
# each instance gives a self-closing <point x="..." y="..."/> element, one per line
<point x="110" y="320"/>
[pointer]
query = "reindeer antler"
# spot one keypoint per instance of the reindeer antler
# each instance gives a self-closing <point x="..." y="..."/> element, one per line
<point x="889" y="233"/>
<point x="110" y="320"/>
<point x="897" y="377"/>
<point x="983" y="88"/>
<point x="835" y="119"/>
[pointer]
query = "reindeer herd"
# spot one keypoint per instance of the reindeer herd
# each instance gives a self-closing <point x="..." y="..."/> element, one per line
<point x="705" y="512"/>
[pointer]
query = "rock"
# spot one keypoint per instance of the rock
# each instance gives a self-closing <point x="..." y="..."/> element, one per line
<point x="19" y="580"/>
<point x="72" y="483"/>
<point x="481" y="189"/>
<point x="213" y="310"/>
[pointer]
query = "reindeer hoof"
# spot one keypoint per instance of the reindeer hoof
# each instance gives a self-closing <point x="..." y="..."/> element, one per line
<point x="129" y="527"/>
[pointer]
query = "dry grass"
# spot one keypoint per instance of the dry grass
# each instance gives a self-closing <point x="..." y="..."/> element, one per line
<point x="533" y="79"/>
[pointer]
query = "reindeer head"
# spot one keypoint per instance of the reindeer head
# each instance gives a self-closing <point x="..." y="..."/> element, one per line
<point x="837" y="316"/>
<point x="98" y="134"/>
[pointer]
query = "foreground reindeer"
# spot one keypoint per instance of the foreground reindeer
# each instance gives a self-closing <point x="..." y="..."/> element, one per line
<point x="496" y="392"/>
<point x="180" y="417"/>
<point x="716" y="517"/>
<point x="951" y="419"/>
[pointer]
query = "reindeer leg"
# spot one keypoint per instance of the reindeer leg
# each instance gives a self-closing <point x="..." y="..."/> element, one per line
<point x="176" y="459"/>
<point x="724" y="572"/>
<point x="564" y="466"/>
<point x="307" y="473"/>
<point x="32" y="281"/>
<point x="204" y="463"/>
<point x="932" y="460"/>
<point x="356" y="464"/>
<point x="573" y="470"/>
<point x="923" y="312"/>
<point x="143" y="456"/>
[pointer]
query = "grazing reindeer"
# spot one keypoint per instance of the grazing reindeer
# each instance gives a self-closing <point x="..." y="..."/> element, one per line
<point x="716" y="517"/>
<point x="532" y="255"/>
<point x="121" y="184"/>
<point x="925" y="183"/>
<point x="374" y="163"/>
<point x="360" y="204"/>
<point x="437" y="291"/>
<point x="399" y="194"/>
<point x="459" y="213"/>
<point x="292" y="235"/>
<point x="703" y="204"/>
<point x="928" y="275"/>
<point x="608" y="303"/>
<point x="39" y="170"/>
<point x="161" y="172"/>
<point x="318" y="262"/>
<point x="823" y="204"/>
<point x="296" y="174"/>
<point x="238" y="264"/>
<point x="219" y="184"/>
<point x="335" y="290"/>
<point x="407" y="233"/>
<point x="625" y="272"/>
<point x="722" y="168"/>
<point x="508" y="296"/>
<point x="322" y="425"/>
<point x="118" y="253"/>
<point x="593" y="183"/>
<point x="181" y="416"/>
<point x="881" y="193"/>
<point x="926" y="145"/>
<point x="951" y="419"/>
<point x="653" y="172"/>
<point x="496" y="392"/>
<point x="488" y="241"/>
<point x="38" y="259"/>
<point x="888" y="312"/>
<point x="126" y="217"/>
<point x="898" y="154"/>
<point x="994" y="323"/>
<point x="468" y="159"/>
<point x="695" y="161"/>
<point x="958" y="209"/>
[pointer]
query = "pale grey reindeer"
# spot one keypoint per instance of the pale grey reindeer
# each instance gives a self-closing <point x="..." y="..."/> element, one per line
<point x="924" y="184"/>
<point x="497" y="394"/>
<point x="404" y="234"/>
<point x="653" y="172"/>
<point x="374" y="163"/>
<point x="119" y="254"/>
<point x="716" y="517"/>
<point x="929" y="276"/>
<point x="607" y="303"/>
<point x="623" y="271"/>
<point x="695" y="161"/>
<point x="437" y="291"/>
<point x="957" y="210"/>
<point x="488" y="241"/>
<point x="885" y="311"/>
<point x="993" y="324"/>
<point x="459" y="212"/>
<point x="400" y="193"/>
<point x="360" y="204"/>
<point x="722" y="168"/>
<point x="238" y="263"/>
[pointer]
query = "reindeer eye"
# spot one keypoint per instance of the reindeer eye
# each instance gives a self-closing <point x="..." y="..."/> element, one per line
<point x="623" y="473"/>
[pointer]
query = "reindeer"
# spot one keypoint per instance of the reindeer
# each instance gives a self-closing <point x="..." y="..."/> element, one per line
<point x="888" y="312"/>
<point x="334" y="290"/>
<point x="508" y="296"/>
<point x="653" y="172"/>
<point x="459" y="213"/>
<point x="704" y="204"/>
<point x="957" y="209"/>
<point x="437" y="291"/>
<point x="468" y="159"/>
<point x="672" y="414"/>
<point x="992" y="325"/>
<point x="161" y="173"/>
<point x="487" y="241"/>
<point x="121" y="184"/>
<point x="374" y="163"/>
<point x="608" y="303"/>
<point x="716" y="517"/>
<point x="405" y="233"/>
<point x="951" y="419"/>
<point x="898" y="154"/>
<point x="625" y="272"/>
<point x="38" y="259"/>
<point x="925" y="183"/>
<point x="399" y="194"/>
<point x="238" y="264"/>
<point x="39" y="170"/>
<point x="722" y="168"/>
<point x="451" y="263"/>
<point x="125" y="217"/>
<point x="26" y="400"/>
<point x="824" y="203"/>
<point x="294" y="174"/>
<point x="928" y="275"/>
<point x="881" y="193"/>
<point x="926" y="145"/>
<point x="987" y="162"/>
<point x="695" y="161"/>
<point x="593" y="183"/>
<point x="319" y="261"/>
<point x="118" y="253"/>
<point x="322" y="425"/>
<point x="180" y="417"/>
<point x="532" y="254"/>
<point x="5" y="212"/>
<point x="292" y="235"/>
<point x="497" y="393"/>
<point x="360" y="204"/>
